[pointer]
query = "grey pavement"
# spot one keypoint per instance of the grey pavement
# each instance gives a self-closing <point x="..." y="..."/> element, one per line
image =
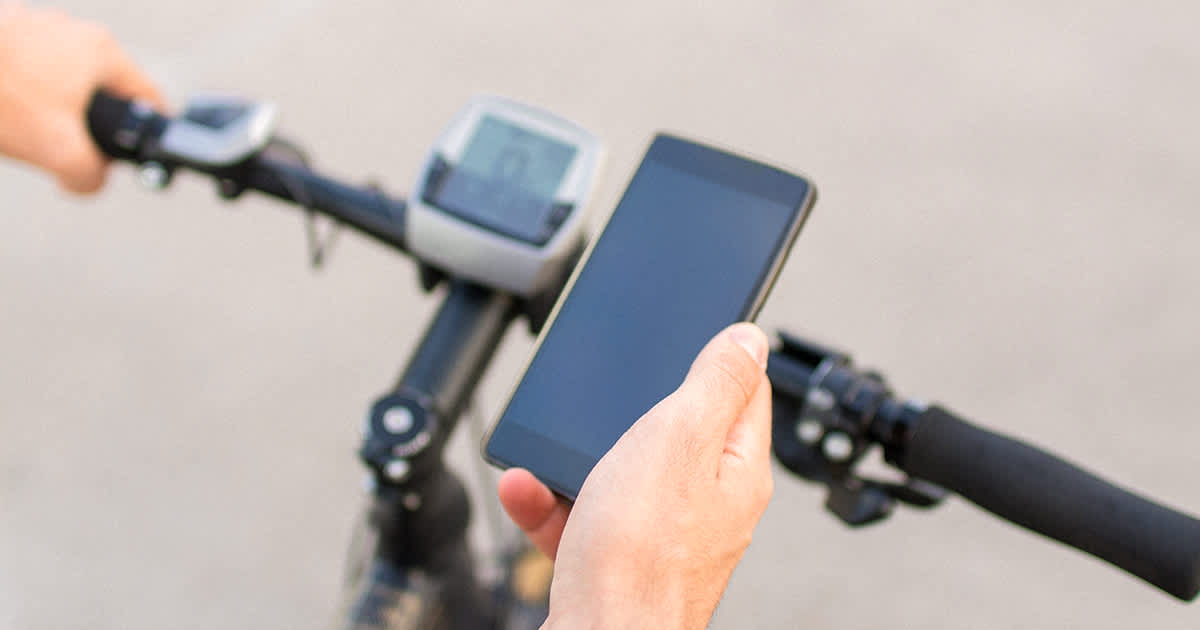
<point x="1007" y="224"/>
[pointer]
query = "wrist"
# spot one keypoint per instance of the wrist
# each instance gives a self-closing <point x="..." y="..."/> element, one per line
<point x="650" y="601"/>
<point x="617" y="617"/>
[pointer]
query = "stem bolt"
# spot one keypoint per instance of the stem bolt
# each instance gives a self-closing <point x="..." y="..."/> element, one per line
<point x="398" y="419"/>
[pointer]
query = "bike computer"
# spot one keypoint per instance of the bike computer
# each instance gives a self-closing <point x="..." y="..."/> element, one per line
<point x="500" y="199"/>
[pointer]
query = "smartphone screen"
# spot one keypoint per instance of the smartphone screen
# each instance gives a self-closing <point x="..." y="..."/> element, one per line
<point x="693" y="246"/>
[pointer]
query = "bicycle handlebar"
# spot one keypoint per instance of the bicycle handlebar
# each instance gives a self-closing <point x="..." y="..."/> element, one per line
<point x="1044" y="493"/>
<point x="126" y="130"/>
<point x="106" y="116"/>
<point x="419" y="508"/>
<point x="1009" y="478"/>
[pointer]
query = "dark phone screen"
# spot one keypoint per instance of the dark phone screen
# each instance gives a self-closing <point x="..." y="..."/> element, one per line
<point x="685" y="254"/>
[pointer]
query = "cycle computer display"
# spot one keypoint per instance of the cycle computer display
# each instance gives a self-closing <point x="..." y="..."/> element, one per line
<point x="501" y="197"/>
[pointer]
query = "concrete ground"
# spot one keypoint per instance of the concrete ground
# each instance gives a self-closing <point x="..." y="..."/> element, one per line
<point x="1007" y="224"/>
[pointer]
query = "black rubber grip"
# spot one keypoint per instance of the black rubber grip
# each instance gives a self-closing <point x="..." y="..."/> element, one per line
<point x="1050" y="496"/>
<point x="107" y="117"/>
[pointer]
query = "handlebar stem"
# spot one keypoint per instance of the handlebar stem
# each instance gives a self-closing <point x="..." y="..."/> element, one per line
<point x="420" y="510"/>
<point x="408" y="427"/>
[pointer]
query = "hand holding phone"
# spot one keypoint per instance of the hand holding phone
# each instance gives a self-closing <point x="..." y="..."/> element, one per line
<point x="668" y="512"/>
<point x="693" y="246"/>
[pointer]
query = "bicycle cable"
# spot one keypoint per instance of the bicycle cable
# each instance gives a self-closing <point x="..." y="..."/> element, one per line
<point x="318" y="247"/>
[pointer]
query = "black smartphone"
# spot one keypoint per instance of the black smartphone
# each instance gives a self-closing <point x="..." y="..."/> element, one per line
<point x="693" y="246"/>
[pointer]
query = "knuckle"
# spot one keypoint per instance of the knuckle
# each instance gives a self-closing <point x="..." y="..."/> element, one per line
<point x="78" y="170"/>
<point x="729" y="378"/>
<point x="752" y="494"/>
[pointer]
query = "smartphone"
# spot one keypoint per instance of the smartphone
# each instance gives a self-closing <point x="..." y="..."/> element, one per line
<point x="693" y="246"/>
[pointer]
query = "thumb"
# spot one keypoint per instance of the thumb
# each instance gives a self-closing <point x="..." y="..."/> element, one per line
<point x="724" y="378"/>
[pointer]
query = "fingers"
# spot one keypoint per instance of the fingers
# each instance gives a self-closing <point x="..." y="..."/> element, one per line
<point x="69" y="153"/>
<point x="722" y="381"/>
<point x="749" y="438"/>
<point x="745" y="466"/>
<point x="534" y="508"/>
<point x="87" y="171"/>
<point x="85" y="175"/>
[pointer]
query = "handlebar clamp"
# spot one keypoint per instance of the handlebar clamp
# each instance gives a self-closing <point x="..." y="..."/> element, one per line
<point x="827" y="417"/>
<point x="399" y="427"/>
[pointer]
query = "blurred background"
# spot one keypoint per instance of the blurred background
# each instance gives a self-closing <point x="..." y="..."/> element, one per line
<point x="1006" y="224"/>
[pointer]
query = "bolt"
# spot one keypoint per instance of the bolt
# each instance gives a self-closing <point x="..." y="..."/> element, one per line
<point x="398" y="419"/>
<point x="153" y="175"/>
<point x="397" y="469"/>
<point x="412" y="501"/>
<point x="837" y="447"/>
<point x="819" y="399"/>
<point x="809" y="431"/>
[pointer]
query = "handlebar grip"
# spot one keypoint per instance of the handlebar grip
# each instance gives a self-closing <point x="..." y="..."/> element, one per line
<point x="1048" y="495"/>
<point x="107" y="117"/>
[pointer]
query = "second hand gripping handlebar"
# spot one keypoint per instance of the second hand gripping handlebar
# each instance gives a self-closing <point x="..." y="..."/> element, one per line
<point x="132" y="131"/>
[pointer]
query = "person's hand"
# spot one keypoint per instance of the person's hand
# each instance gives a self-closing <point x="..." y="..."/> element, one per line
<point x="665" y="516"/>
<point x="50" y="65"/>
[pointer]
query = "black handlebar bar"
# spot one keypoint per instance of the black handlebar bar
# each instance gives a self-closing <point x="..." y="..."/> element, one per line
<point x="1040" y="491"/>
<point x="127" y="130"/>
<point x="107" y="116"/>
